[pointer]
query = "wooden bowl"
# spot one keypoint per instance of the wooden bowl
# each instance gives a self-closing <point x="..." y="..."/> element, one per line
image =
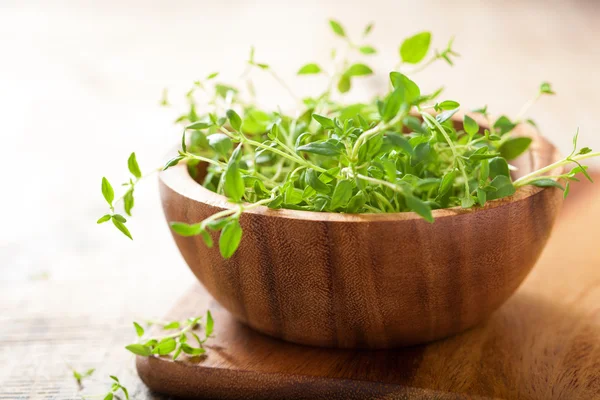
<point x="369" y="280"/>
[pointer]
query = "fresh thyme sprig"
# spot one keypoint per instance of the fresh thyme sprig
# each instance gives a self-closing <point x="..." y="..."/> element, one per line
<point x="174" y="343"/>
<point x="80" y="376"/>
<point x="116" y="389"/>
<point x="399" y="152"/>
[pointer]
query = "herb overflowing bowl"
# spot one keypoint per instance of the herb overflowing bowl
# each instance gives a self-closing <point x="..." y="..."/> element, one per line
<point x="379" y="224"/>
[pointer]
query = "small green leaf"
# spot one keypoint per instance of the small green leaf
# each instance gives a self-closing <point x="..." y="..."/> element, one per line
<point x="415" y="48"/>
<point x="358" y="70"/>
<point x="313" y="180"/>
<point x="448" y="105"/>
<point x="107" y="191"/>
<point x="220" y="143"/>
<point x="133" y="166"/>
<point x="166" y="346"/>
<point x="138" y="329"/>
<point x="367" y="50"/>
<point x="584" y="150"/>
<point x="504" y="125"/>
<point x="199" y="125"/>
<point x="446" y="183"/>
<point x="177" y="352"/>
<point x="231" y="235"/>
<point x="344" y="84"/>
<point x="109" y="396"/>
<point x="128" y="201"/>
<point x="183" y="229"/>
<point x="234" y="120"/>
<point x="545" y="88"/>
<point x="212" y="76"/>
<point x="445" y="115"/>
<point x="119" y="218"/>
<point x="341" y="194"/>
<point x="120" y="226"/>
<point x="207" y="238"/>
<point x="481" y="196"/>
<point x="309" y="69"/>
<point x="234" y="183"/>
<point x="208" y="329"/>
<point x="325" y="122"/>
<point x="172" y="162"/>
<point x="192" y="351"/>
<point x="499" y="166"/>
<point x="546" y="182"/>
<point x="103" y="219"/>
<point x="399" y="141"/>
<point x="412" y="92"/>
<point x="356" y="203"/>
<point x="503" y="187"/>
<point x="470" y="126"/>
<point x="172" y="325"/>
<point x="567" y="189"/>
<point x="514" y="147"/>
<point x="420" y="207"/>
<point x="322" y="148"/>
<point x="393" y="103"/>
<point x="139" y="349"/>
<point x="337" y="28"/>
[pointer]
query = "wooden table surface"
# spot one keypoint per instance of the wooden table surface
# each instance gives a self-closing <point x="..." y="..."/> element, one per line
<point x="79" y="87"/>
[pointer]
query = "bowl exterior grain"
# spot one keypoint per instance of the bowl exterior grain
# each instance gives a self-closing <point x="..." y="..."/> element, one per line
<point x="369" y="280"/>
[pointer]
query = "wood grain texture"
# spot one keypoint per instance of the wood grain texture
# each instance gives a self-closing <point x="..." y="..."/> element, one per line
<point x="543" y="343"/>
<point x="368" y="280"/>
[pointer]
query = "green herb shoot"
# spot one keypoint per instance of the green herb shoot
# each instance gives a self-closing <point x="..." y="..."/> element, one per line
<point x="400" y="151"/>
<point x="80" y="376"/>
<point x="183" y="337"/>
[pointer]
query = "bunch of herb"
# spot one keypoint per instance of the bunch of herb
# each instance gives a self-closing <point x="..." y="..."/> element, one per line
<point x="401" y="151"/>
<point x="174" y="343"/>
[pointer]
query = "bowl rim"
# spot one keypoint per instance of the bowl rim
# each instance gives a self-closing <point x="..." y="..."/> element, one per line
<point x="178" y="179"/>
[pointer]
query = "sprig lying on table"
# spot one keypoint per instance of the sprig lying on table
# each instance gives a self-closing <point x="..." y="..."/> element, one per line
<point x="174" y="343"/>
<point x="400" y="151"/>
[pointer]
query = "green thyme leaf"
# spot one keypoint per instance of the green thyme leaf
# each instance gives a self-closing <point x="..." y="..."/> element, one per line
<point x="108" y="192"/>
<point x="415" y="48"/>
<point x="138" y="329"/>
<point x="514" y="147"/>
<point x="231" y="235"/>
<point x="341" y="194"/>
<point x="309" y="69"/>
<point x="120" y="226"/>
<point x="139" y="350"/>
<point x="128" y="201"/>
<point x="209" y="324"/>
<point x="471" y="127"/>
<point x="546" y="182"/>
<point x="133" y="166"/>
<point x="183" y="229"/>
<point x="234" y="120"/>
<point x="234" y="183"/>
<point x="337" y="28"/>
<point x="103" y="219"/>
<point x="367" y="49"/>
<point x="358" y="70"/>
<point x="545" y="88"/>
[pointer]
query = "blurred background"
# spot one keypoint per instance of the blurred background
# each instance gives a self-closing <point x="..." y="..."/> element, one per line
<point x="80" y="86"/>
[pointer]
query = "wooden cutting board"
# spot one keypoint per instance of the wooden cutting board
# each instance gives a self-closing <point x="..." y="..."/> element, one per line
<point x="544" y="343"/>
